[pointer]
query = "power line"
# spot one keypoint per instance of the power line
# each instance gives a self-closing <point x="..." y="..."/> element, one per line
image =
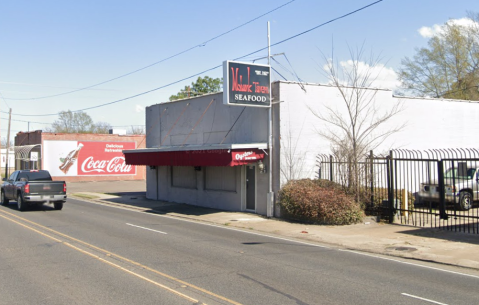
<point x="278" y="73"/>
<point x="4" y="100"/>
<point x="123" y="99"/>
<point x="155" y="63"/>
<point x="24" y="121"/>
<point x="210" y="69"/>
<point x="300" y="81"/>
<point x="316" y="27"/>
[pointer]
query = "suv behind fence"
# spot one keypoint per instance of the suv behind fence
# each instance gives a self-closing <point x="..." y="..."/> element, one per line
<point x="434" y="188"/>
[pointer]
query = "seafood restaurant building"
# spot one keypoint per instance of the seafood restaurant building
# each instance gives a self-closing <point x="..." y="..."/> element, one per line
<point x="212" y="150"/>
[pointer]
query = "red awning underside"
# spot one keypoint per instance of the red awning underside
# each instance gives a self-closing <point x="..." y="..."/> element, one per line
<point x="216" y="157"/>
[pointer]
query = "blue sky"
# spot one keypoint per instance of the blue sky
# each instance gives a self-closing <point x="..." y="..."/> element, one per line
<point x="52" y="47"/>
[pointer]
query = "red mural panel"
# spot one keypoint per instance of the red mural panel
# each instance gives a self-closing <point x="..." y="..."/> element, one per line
<point x="104" y="158"/>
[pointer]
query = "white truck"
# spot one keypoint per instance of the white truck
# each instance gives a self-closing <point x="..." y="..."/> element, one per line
<point x="460" y="185"/>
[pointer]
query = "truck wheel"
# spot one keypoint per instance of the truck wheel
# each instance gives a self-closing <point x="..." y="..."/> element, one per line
<point x="4" y="199"/>
<point x="58" y="205"/>
<point x="465" y="201"/>
<point x="22" y="206"/>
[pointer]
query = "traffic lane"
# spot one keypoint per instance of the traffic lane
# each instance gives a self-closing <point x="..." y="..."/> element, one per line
<point x="38" y="269"/>
<point x="248" y="243"/>
<point x="281" y="270"/>
<point x="55" y="219"/>
<point x="347" y="264"/>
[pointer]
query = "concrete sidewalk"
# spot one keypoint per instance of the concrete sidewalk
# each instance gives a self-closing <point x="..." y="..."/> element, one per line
<point x="426" y="244"/>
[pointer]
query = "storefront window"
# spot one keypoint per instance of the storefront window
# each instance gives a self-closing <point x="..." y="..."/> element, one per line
<point x="219" y="178"/>
<point x="183" y="176"/>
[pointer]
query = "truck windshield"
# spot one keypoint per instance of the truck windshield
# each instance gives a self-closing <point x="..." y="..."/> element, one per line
<point x="35" y="176"/>
<point x="453" y="173"/>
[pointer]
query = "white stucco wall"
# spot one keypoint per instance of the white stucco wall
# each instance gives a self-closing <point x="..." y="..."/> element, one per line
<point x="429" y="123"/>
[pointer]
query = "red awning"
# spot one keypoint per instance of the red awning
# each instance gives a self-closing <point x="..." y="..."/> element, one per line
<point x="211" y="157"/>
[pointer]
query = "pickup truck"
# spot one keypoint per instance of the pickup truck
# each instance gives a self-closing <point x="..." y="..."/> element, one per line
<point x="33" y="187"/>
<point x="461" y="185"/>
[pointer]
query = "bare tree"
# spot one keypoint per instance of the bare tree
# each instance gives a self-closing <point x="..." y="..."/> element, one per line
<point x="77" y="122"/>
<point x="101" y="127"/>
<point x="4" y="143"/>
<point x="136" y="129"/>
<point x="356" y="125"/>
<point x="72" y="122"/>
<point x="293" y="159"/>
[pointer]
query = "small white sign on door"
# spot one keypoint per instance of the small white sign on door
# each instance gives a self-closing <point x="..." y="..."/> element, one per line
<point x="34" y="156"/>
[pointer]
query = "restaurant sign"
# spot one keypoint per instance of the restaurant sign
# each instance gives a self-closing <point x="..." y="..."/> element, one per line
<point x="246" y="84"/>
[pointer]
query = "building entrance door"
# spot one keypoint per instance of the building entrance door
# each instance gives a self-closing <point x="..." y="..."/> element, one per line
<point x="250" y="188"/>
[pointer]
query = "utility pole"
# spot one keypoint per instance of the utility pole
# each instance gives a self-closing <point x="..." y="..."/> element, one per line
<point x="270" y="197"/>
<point x="1" y="157"/>
<point x="8" y="142"/>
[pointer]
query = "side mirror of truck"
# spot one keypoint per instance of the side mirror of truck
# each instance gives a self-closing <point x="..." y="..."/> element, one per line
<point x="4" y="179"/>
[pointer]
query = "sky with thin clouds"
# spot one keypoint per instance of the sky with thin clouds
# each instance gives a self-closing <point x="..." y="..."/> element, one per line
<point x="431" y="31"/>
<point x="113" y="59"/>
<point x="380" y="76"/>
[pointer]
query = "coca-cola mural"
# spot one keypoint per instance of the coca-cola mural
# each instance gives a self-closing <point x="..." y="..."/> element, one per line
<point x="83" y="158"/>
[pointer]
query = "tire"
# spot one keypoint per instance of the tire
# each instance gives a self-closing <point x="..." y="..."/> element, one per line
<point x="58" y="205"/>
<point x="465" y="201"/>
<point x="22" y="206"/>
<point x="4" y="199"/>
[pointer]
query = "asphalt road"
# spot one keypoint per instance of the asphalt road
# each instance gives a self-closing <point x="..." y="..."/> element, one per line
<point x="95" y="254"/>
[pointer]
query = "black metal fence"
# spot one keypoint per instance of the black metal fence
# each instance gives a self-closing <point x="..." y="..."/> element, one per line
<point x="434" y="188"/>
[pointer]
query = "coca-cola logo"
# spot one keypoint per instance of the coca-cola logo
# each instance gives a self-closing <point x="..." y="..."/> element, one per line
<point x="114" y="165"/>
<point x="244" y="156"/>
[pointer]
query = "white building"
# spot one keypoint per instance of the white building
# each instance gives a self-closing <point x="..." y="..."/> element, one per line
<point x="11" y="160"/>
<point x="203" y="152"/>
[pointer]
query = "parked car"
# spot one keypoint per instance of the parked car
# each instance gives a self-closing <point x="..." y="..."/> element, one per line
<point x="460" y="184"/>
<point x="33" y="187"/>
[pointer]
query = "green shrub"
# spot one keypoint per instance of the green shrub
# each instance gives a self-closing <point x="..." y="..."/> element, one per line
<point x="319" y="201"/>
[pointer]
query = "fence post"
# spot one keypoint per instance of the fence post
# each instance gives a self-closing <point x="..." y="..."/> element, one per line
<point x="390" y="187"/>
<point x="331" y="168"/>
<point x="442" y="190"/>
<point x="371" y="177"/>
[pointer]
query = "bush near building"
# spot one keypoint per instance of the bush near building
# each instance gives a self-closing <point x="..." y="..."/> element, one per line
<point x="320" y="202"/>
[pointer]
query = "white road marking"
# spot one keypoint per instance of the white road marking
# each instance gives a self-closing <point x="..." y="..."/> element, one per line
<point x="427" y="300"/>
<point x="282" y="238"/>
<point x="408" y="263"/>
<point x="129" y="224"/>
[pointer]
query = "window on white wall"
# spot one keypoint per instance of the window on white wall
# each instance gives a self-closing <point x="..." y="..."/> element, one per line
<point x="183" y="176"/>
<point x="219" y="178"/>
